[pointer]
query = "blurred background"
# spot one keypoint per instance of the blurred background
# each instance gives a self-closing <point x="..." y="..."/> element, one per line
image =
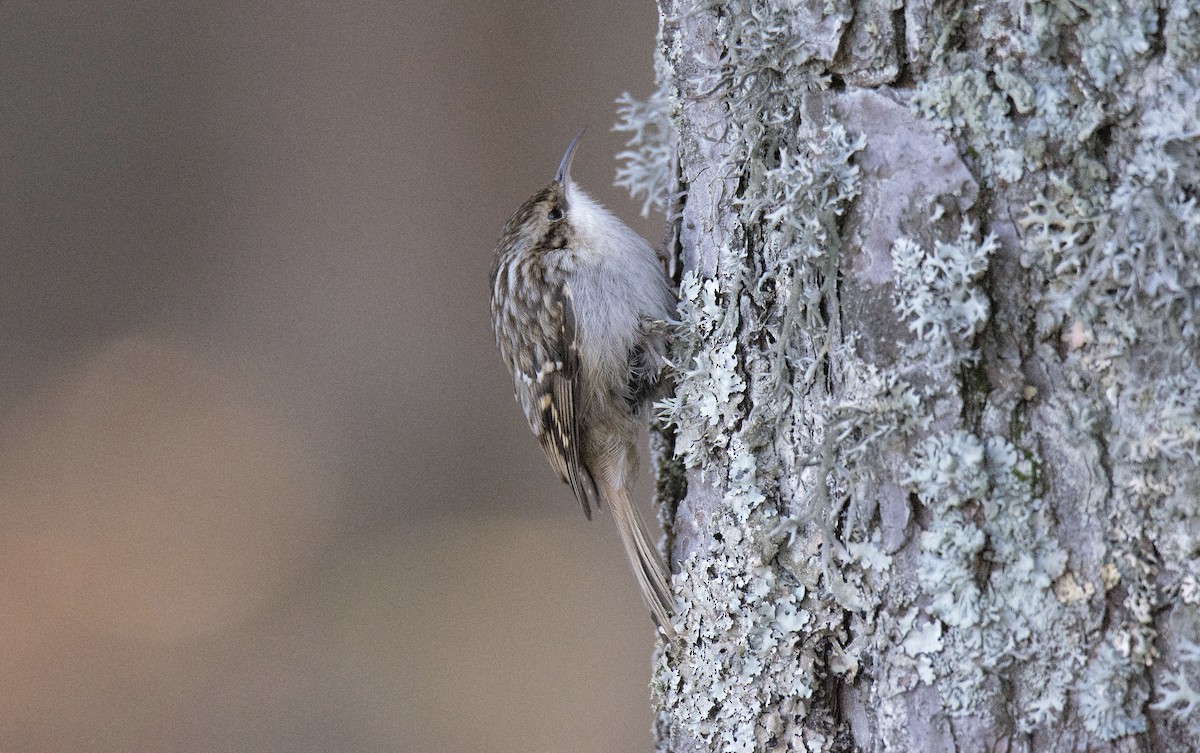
<point x="263" y="485"/>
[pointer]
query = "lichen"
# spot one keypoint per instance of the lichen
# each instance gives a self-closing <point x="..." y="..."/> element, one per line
<point x="644" y="166"/>
<point x="967" y="102"/>
<point x="1080" y="121"/>
<point x="986" y="515"/>
<point x="757" y="621"/>
<point x="1177" y="697"/>
<point x="1119" y="278"/>
<point x="767" y="56"/>
<point x="798" y="196"/>
<point x="1181" y="31"/>
<point x="749" y="672"/>
<point x="937" y="292"/>
<point x="1012" y="114"/>
<point x="710" y="387"/>
<point x="768" y="61"/>
<point x="1111" y="696"/>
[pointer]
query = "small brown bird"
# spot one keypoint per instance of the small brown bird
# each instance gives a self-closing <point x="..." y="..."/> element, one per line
<point x="578" y="299"/>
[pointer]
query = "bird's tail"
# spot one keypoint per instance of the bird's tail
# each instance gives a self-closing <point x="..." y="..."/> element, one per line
<point x="647" y="568"/>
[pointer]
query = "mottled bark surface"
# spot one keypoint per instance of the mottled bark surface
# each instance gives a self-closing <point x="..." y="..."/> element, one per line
<point x="938" y="406"/>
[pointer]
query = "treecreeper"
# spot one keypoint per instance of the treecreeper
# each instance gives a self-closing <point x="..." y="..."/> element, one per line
<point x="579" y="302"/>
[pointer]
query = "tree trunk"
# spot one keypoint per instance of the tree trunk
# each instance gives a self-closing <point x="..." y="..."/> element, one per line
<point x="934" y="482"/>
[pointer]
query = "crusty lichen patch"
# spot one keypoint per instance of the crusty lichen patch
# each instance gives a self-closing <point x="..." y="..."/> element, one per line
<point x="987" y="516"/>
<point x="755" y="631"/>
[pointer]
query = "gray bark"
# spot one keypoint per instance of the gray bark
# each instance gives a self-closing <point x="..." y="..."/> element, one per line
<point x="930" y="475"/>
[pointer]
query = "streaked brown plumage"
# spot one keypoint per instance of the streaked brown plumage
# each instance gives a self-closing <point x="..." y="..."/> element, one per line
<point x="575" y="295"/>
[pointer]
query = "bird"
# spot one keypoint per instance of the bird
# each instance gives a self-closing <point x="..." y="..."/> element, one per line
<point x="579" y="306"/>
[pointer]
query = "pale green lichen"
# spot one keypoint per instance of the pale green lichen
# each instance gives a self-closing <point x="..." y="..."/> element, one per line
<point x="984" y="510"/>
<point x="1059" y="109"/>
<point x="1112" y="38"/>
<point x="644" y="166"/>
<point x="794" y="204"/>
<point x="967" y="102"/>
<point x="748" y="677"/>
<point x="765" y="57"/>
<point x="1181" y="31"/>
<point x="758" y="622"/>
<point x="877" y="404"/>
<point x="998" y="615"/>
<point x="1171" y="432"/>
<point x="1177" y="696"/>
<point x="765" y="68"/>
<point x="710" y="388"/>
<point x="938" y="293"/>
<point x="788" y="197"/>
<point x="1111" y="695"/>
<point x="1119" y="283"/>
<point x="1058" y="235"/>
<point x="1118" y="268"/>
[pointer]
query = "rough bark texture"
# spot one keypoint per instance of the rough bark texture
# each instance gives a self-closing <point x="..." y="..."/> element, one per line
<point x="930" y="473"/>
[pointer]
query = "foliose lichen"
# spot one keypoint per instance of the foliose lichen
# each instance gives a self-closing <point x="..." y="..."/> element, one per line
<point x="987" y="515"/>
<point x="644" y="166"/>
<point x="710" y="386"/>
<point x="757" y="631"/>
<point x="1109" y="240"/>
<point x="801" y="437"/>
<point x="1110" y="696"/>
<point x="937" y="292"/>
<point x="1177" y="696"/>
<point x="748" y="678"/>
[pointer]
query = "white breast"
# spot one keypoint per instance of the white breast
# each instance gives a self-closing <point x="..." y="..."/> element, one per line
<point x="617" y="283"/>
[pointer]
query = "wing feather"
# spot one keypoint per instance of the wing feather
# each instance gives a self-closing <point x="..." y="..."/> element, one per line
<point x="550" y="399"/>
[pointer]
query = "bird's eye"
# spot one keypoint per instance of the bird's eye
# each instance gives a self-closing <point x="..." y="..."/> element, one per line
<point x="554" y="214"/>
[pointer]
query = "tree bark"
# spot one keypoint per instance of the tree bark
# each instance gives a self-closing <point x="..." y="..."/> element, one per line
<point x="930" y="473"/>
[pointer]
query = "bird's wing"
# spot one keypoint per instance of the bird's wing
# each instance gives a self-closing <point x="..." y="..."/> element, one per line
<point x="550" y="398"/>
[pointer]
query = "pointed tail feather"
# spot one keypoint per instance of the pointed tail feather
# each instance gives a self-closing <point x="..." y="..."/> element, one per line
<point x="647" y="568"/>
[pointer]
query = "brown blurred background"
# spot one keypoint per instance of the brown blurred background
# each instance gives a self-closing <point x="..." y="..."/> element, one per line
<point x="263" y="486"/>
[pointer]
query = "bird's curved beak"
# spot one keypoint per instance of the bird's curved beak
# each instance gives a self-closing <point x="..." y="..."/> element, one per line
<point x="563" y="176"/>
